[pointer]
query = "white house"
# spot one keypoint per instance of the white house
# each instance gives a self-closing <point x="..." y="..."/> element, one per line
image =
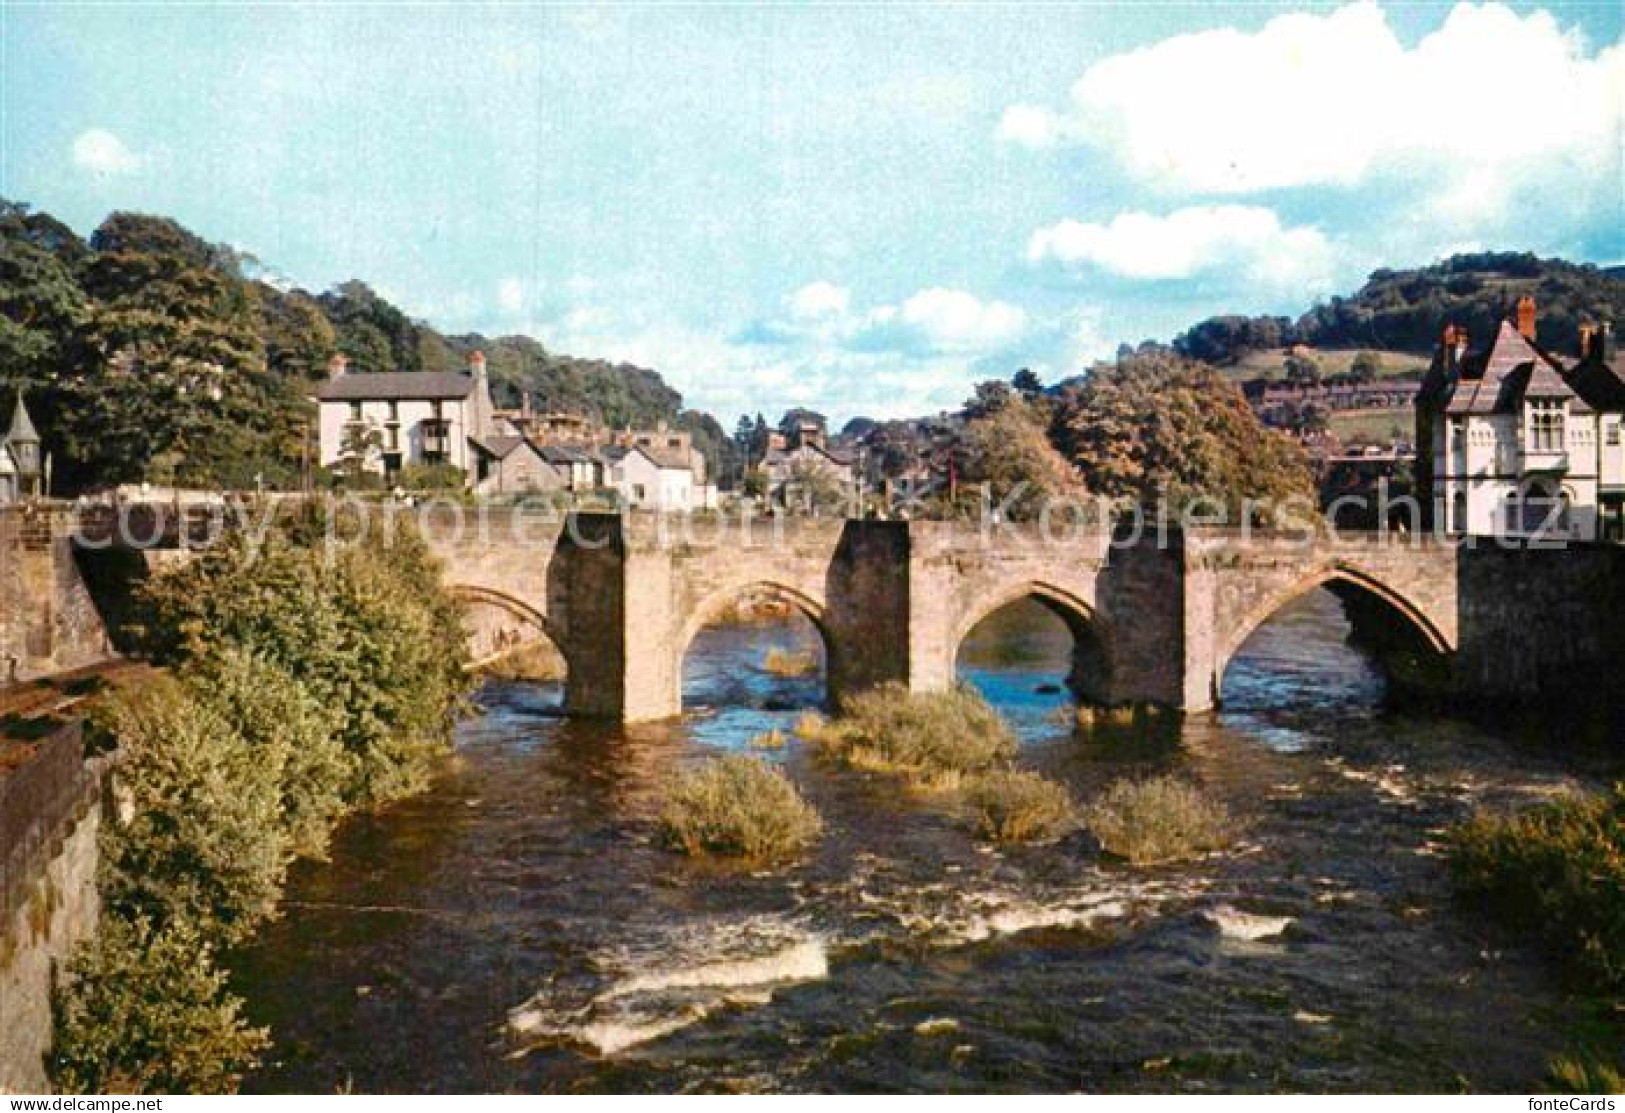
<point x="1515" y="441"/>
<point x="389" y="420"/>
<point x="647" y="478"/>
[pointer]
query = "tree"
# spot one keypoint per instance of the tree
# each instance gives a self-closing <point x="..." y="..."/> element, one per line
<point x="989" y="398"/>
<point x="1027" y="383"/>
<point x="1009" y="451"/>
<point x="1302" y="369"/>
<point x="1366" y="368"/>
<point x="1155" y="427"/>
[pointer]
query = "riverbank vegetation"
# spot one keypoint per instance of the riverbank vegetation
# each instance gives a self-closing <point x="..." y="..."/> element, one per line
<point x="303" y="685"/>
<point x="789" y="662"/>
<point x="1556" y="872"/>
<point x="1158" y="820"/>
<point x="737" y="806"/>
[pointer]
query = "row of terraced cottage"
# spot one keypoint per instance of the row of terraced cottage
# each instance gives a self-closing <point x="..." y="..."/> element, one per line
<point x="382" y="423"/>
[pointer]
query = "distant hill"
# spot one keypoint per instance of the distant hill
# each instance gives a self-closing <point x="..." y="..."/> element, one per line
<point x="1403" y="310"/>
<point x="151" y="353"/>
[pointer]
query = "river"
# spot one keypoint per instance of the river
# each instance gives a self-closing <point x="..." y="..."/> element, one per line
<point x="517" y="928"/>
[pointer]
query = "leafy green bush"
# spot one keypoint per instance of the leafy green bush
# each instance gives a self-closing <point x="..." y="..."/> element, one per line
<point x="931" y="737"/>
<point x="737" y="806"/>
<point x="200" y="839"/>
<point x="1015" y="806"/>
<point x="366" y="629"/>
<point x="275" y="715"/>
<point x="432" y="477"/>
<point x="1158" y="820"/>
<point x="145" y="1010"/>
<point x="1557" y="871"/>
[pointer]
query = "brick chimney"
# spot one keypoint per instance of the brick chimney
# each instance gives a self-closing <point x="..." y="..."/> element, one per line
<point x="1588" y="336"/>
<point x="476" y="364"/>
<point x="1605" y="342"/>
<point x="338" y="365"/>
<point x="1526" y="317"/>
<point x="1454" y="344"/>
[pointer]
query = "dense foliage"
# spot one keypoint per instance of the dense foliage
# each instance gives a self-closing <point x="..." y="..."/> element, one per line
<point x="1403" y="310"/>
<point x="307" y="680"/>
<point x="1154" y="427"/>
<point x="149" y="353"/>
<point x="1556" y="871"/>
<point x="146" y="1010"/>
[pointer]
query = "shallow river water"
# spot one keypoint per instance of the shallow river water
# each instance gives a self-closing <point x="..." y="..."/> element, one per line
<point x="517" y="928"/>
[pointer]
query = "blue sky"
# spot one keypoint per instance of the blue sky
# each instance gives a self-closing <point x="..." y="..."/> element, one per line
<point x="860" y="208"/>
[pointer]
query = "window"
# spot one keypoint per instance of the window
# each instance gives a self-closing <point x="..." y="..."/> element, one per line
<point x="1613" y="434"/>
<point x="674" y="442"/>
<point x="355" y="411"/>
<point x="637" y="492"/>
<point x="1458" y="512"/>
<point x="394" y="410"/>
<point x="1546" y="425"/>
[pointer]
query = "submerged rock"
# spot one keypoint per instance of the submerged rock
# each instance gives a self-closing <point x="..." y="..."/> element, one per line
<point x="1233" y="923"/>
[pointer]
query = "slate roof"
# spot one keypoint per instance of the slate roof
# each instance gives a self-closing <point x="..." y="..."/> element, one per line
<point x="1497" y="379"/>
<point x="499" y="445"/>
<point x="22" y="428"/>
<point x="1601" y="382"/>
<point x="397" y="386"/>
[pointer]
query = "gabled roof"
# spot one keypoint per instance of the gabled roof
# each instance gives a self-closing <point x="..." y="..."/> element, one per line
<point x="7" y="465"/>
<point x="1496" y="380"/>
<point x="664" y="459"/>
<point x="783" y="455"/>
<point x="396" y="386"/>
<point x="1601" y="382"/>
<point x="22" y="428"/>
<point x="498" y="445"/>
<point x="563" y="454"/>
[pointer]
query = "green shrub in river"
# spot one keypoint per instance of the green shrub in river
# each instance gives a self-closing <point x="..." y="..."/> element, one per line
<point x="933" y="738"/>
<point x="1016" y="806"/>
<point x="1161" y="819"/>
<point x="737" y="806"/>
<point x="145" y="1010"/>
<point x="1556" y="871"/>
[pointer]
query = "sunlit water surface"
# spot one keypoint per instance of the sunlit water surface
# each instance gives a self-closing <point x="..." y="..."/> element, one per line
<point x="518" y="928"/>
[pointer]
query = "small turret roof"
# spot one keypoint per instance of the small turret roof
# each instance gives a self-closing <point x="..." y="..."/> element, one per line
<point x="22" y="428"/>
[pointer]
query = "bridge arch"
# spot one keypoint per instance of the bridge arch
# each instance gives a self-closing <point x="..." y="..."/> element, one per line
<point x="1388" y="618"/>
<point x="502" y="626"/>
<point x="718" y="602"/>
<point x="1091" y="671"/>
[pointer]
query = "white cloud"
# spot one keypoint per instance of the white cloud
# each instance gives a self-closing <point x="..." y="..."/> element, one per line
<point x="943" y="321"/>
<point x="1028" y="125"/>
<point x="1246" y="242"/>
<point x="1471" y="118"/>
<point x="818" y="300"/>
<point x="511" y="296"/>
<point x="102" y="152"/>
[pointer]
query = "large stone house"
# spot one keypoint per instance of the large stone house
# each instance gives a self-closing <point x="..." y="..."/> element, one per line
<point x="1513" y="440"/>
<point x="382" y="422"/>
<point x="21" y="469"/>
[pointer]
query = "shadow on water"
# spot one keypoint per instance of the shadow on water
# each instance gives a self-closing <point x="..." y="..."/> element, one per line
<point x="517" y="927"/>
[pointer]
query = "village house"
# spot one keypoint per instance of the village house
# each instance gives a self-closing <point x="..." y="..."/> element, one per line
<point x="381" y="422"/>
<point x="22" y="473"/>
<point x="804" y="453"/>
<point x="1513" y="440"/>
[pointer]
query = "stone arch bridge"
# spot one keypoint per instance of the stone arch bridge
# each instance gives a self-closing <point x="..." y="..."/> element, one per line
<point x="1154" y="619"/>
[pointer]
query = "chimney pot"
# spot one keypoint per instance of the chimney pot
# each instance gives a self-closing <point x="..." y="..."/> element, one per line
<point x="338" y="365"/>
<point x="1526" y="317"/>
<point x="1588" y="336"/>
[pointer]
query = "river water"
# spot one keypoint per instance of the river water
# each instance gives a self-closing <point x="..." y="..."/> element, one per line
<point x="517" y="928"/>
